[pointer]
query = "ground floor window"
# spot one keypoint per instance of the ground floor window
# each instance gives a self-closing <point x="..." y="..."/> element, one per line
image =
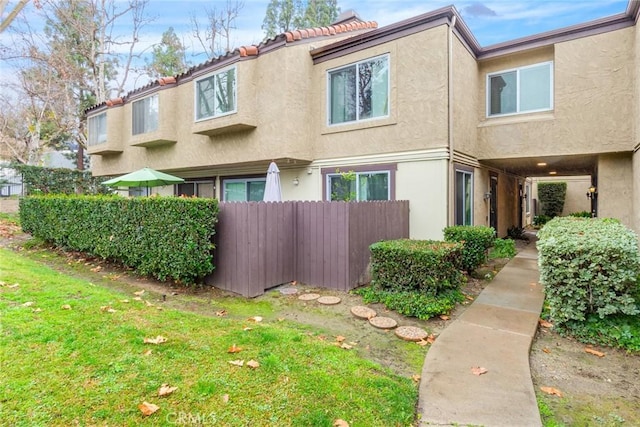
<point x="243" y="189"/>
<point x="139" y="191"/>
<point x="464" y="197"/>
<point x="359" y="183"/>
<point x="200" y="188"/>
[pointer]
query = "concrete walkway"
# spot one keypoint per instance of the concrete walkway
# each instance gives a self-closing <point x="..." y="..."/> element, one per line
<point x="495" y="333"/>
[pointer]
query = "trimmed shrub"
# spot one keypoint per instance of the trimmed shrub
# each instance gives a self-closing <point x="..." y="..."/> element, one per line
<point x="540" y="220"/>
<point x="588" y="266"/>
<point x="423" y="265"/>
<point x="412" y="303"/>
<point x="165" y="237"/>
<point x="551" y="196"/>
<point x="581" y="214"/>
<point x="477" y="239"/>
<point x="40" y="180"/>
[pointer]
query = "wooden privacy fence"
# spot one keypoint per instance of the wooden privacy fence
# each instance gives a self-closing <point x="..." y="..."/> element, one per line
<point x="260" y="245"/>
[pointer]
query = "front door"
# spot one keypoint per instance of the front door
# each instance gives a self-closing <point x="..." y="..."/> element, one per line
<point x="493" y="203"/>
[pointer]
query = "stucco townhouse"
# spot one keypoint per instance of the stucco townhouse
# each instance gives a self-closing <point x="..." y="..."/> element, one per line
<point x="416" y="111"/>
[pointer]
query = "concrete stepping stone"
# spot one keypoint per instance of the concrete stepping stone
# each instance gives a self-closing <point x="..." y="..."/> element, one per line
<point x="329" y="300"/>
<point x="383" y="322"/>
<point x="362" y="312"/>
<point x="288" y="291"/>
<point x="308" y="297"/>
<point x="411" y="333"/>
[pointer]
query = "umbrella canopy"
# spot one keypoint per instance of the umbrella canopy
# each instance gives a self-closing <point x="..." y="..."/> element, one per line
<point x="272" y="190"/>
<point x="145" y="177"/>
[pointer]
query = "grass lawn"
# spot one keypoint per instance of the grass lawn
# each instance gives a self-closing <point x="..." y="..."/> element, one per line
<point x="74" y="353"/>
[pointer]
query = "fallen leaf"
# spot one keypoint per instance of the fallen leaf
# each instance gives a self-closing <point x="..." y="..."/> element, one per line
<point x="148" y="408"/>
<point x="346" y="346"/>
<point x="340" y="423"/>
<point x="353" y="344"/>
<point x="416" y="378"/>
<point x="234" y="349"/>
<point x="139" y="293"/>
<point x="66" y="307"/>
<point x="125" y="301"/>
<point x="160" y="308"/>
<point x="469" y="297"/>
<point x="545" y="324"/>
<point x="255" y="319"/>
<point x="107" y="308"/>
<point x="340" y="338"/>
<point x="157" y="340"/>
<point x="166" y="390"/>
<point x="15" y="285"/>
<point x="148" y="304"/>
<point x="237" y="362"/>
<point x="281" y="319"/>
<point x="147" y="352"/>
<point x="294" y="282"/>
<point x="422" y="343"/>
<point x="477" y="370"/>
<point x="246" y="328"/>
<point x="594" y="352"/>
<point x="96" y="269"/>
<point x="551" y="390"/>
<point x="221" y="313"/>
<point x="253" y="364"/>
<point x="28" y="304"/>
<point x="546" y="350"/>
<point x="37" y="310"/>
<point x="225" y="398"/>
<point x="137" y="299"/>
<point x="444" y="317"/>
<point x="431" y="339"/>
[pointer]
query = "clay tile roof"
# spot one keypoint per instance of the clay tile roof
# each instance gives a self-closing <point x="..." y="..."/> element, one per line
<point x="250" y="50"/>
<point x="162" y="81"/>
<point x="114" y="101"/>
<point x="305" y="33"/>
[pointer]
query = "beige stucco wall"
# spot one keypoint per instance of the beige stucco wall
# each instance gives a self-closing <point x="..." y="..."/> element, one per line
<point x="466" y="97"/>
<point x="635" y="223"/>
<point x="481" y="187"/>
<point x="576" y="199"/>
<point x="508" y="199"/>
<point x="592" y="77"/>
<point x="418" y="108"/>
<point x="615" y="187"/>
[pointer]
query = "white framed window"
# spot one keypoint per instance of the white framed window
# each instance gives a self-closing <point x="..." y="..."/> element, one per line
<point x="145" y="115"/>
<point x="359" y="91"/>
<point x="520" y="90"/>
<point x="358" y="186"/>
<point x="97" y="129"/>
<point x="205" y="189"/>
<point x="243" y="189"/>
<point x="216" y="94"/>
<point x="464" y="197"/>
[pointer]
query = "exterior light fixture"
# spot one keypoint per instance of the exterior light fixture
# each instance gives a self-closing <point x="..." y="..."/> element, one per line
<point x="296" y="181"/>
<point x="592" y="193"/>
<point x="541" y="164"/>
<point x="553" y="173"/>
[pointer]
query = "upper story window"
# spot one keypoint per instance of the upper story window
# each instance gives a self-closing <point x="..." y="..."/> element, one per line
<point x="243" y="189"/>
<point x="97" y="129"/>
<point x="216" y="94"/>
<point x="520" y="90"/>
<point x="359" y="91"/>
<point x="145" y="115"/>
<point x="358" y="186"/>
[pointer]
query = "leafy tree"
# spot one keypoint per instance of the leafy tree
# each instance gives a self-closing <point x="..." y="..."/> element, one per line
<point x="287" y="15"/>
<point x="168" y="57"/>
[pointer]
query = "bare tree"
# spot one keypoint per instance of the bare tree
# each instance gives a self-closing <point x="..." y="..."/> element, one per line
<point x="74" y="62"/>
<point x="12" y="15"/>
<point x="215" y="36"/>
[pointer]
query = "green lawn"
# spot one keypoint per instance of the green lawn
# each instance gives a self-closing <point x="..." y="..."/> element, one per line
<point x="87" y="365"/>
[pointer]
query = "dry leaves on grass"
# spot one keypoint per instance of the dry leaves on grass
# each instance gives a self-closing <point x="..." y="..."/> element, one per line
<point x="253" y="364"/>
<point x="478" y="370"/>
<point x="221" y="313"/>
<point x="546" y="350"/>
<point x="28" y="304"/>
<point x="225" y="398"/>
<point x="165" y="390"/>
<point x="430" y="340"/>
<point x="444" y="317"/>
<point x="157" y="340"/>
<point x="551" y="390"/>
<point x="255" y="319"/>
<point x="139" y="293"/>
<point x="545" y="324"/>
<point x="340" y="423"/>
<point x="107" y="309"/>
<point x="340" y="338"/>
<point x="234" y="349"/>
<point x="66" y="307"/>
<point x="148" y="408"/>
<point x="594" y="352"/>
<point x="416" y="378"/>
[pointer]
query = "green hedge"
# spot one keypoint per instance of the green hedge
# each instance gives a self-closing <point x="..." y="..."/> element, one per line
<point x="424" y="265"/>
<point x="40" y="180"/>
<point x="165" y="237"/>
<point x="588" y="266"/>
<point x="551" y="196"/>
<point x="477" y="240"/>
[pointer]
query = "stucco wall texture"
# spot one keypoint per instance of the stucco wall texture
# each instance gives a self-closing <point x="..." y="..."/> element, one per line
<point x="282" y="113"/>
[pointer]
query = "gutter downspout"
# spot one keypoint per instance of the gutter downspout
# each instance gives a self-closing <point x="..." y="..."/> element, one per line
<point x="451" y="174"/>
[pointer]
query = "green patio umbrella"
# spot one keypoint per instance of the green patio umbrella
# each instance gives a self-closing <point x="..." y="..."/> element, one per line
<point x="145" y="177"/>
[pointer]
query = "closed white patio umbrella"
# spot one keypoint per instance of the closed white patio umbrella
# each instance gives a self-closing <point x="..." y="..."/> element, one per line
<point x="272" y="190"/>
